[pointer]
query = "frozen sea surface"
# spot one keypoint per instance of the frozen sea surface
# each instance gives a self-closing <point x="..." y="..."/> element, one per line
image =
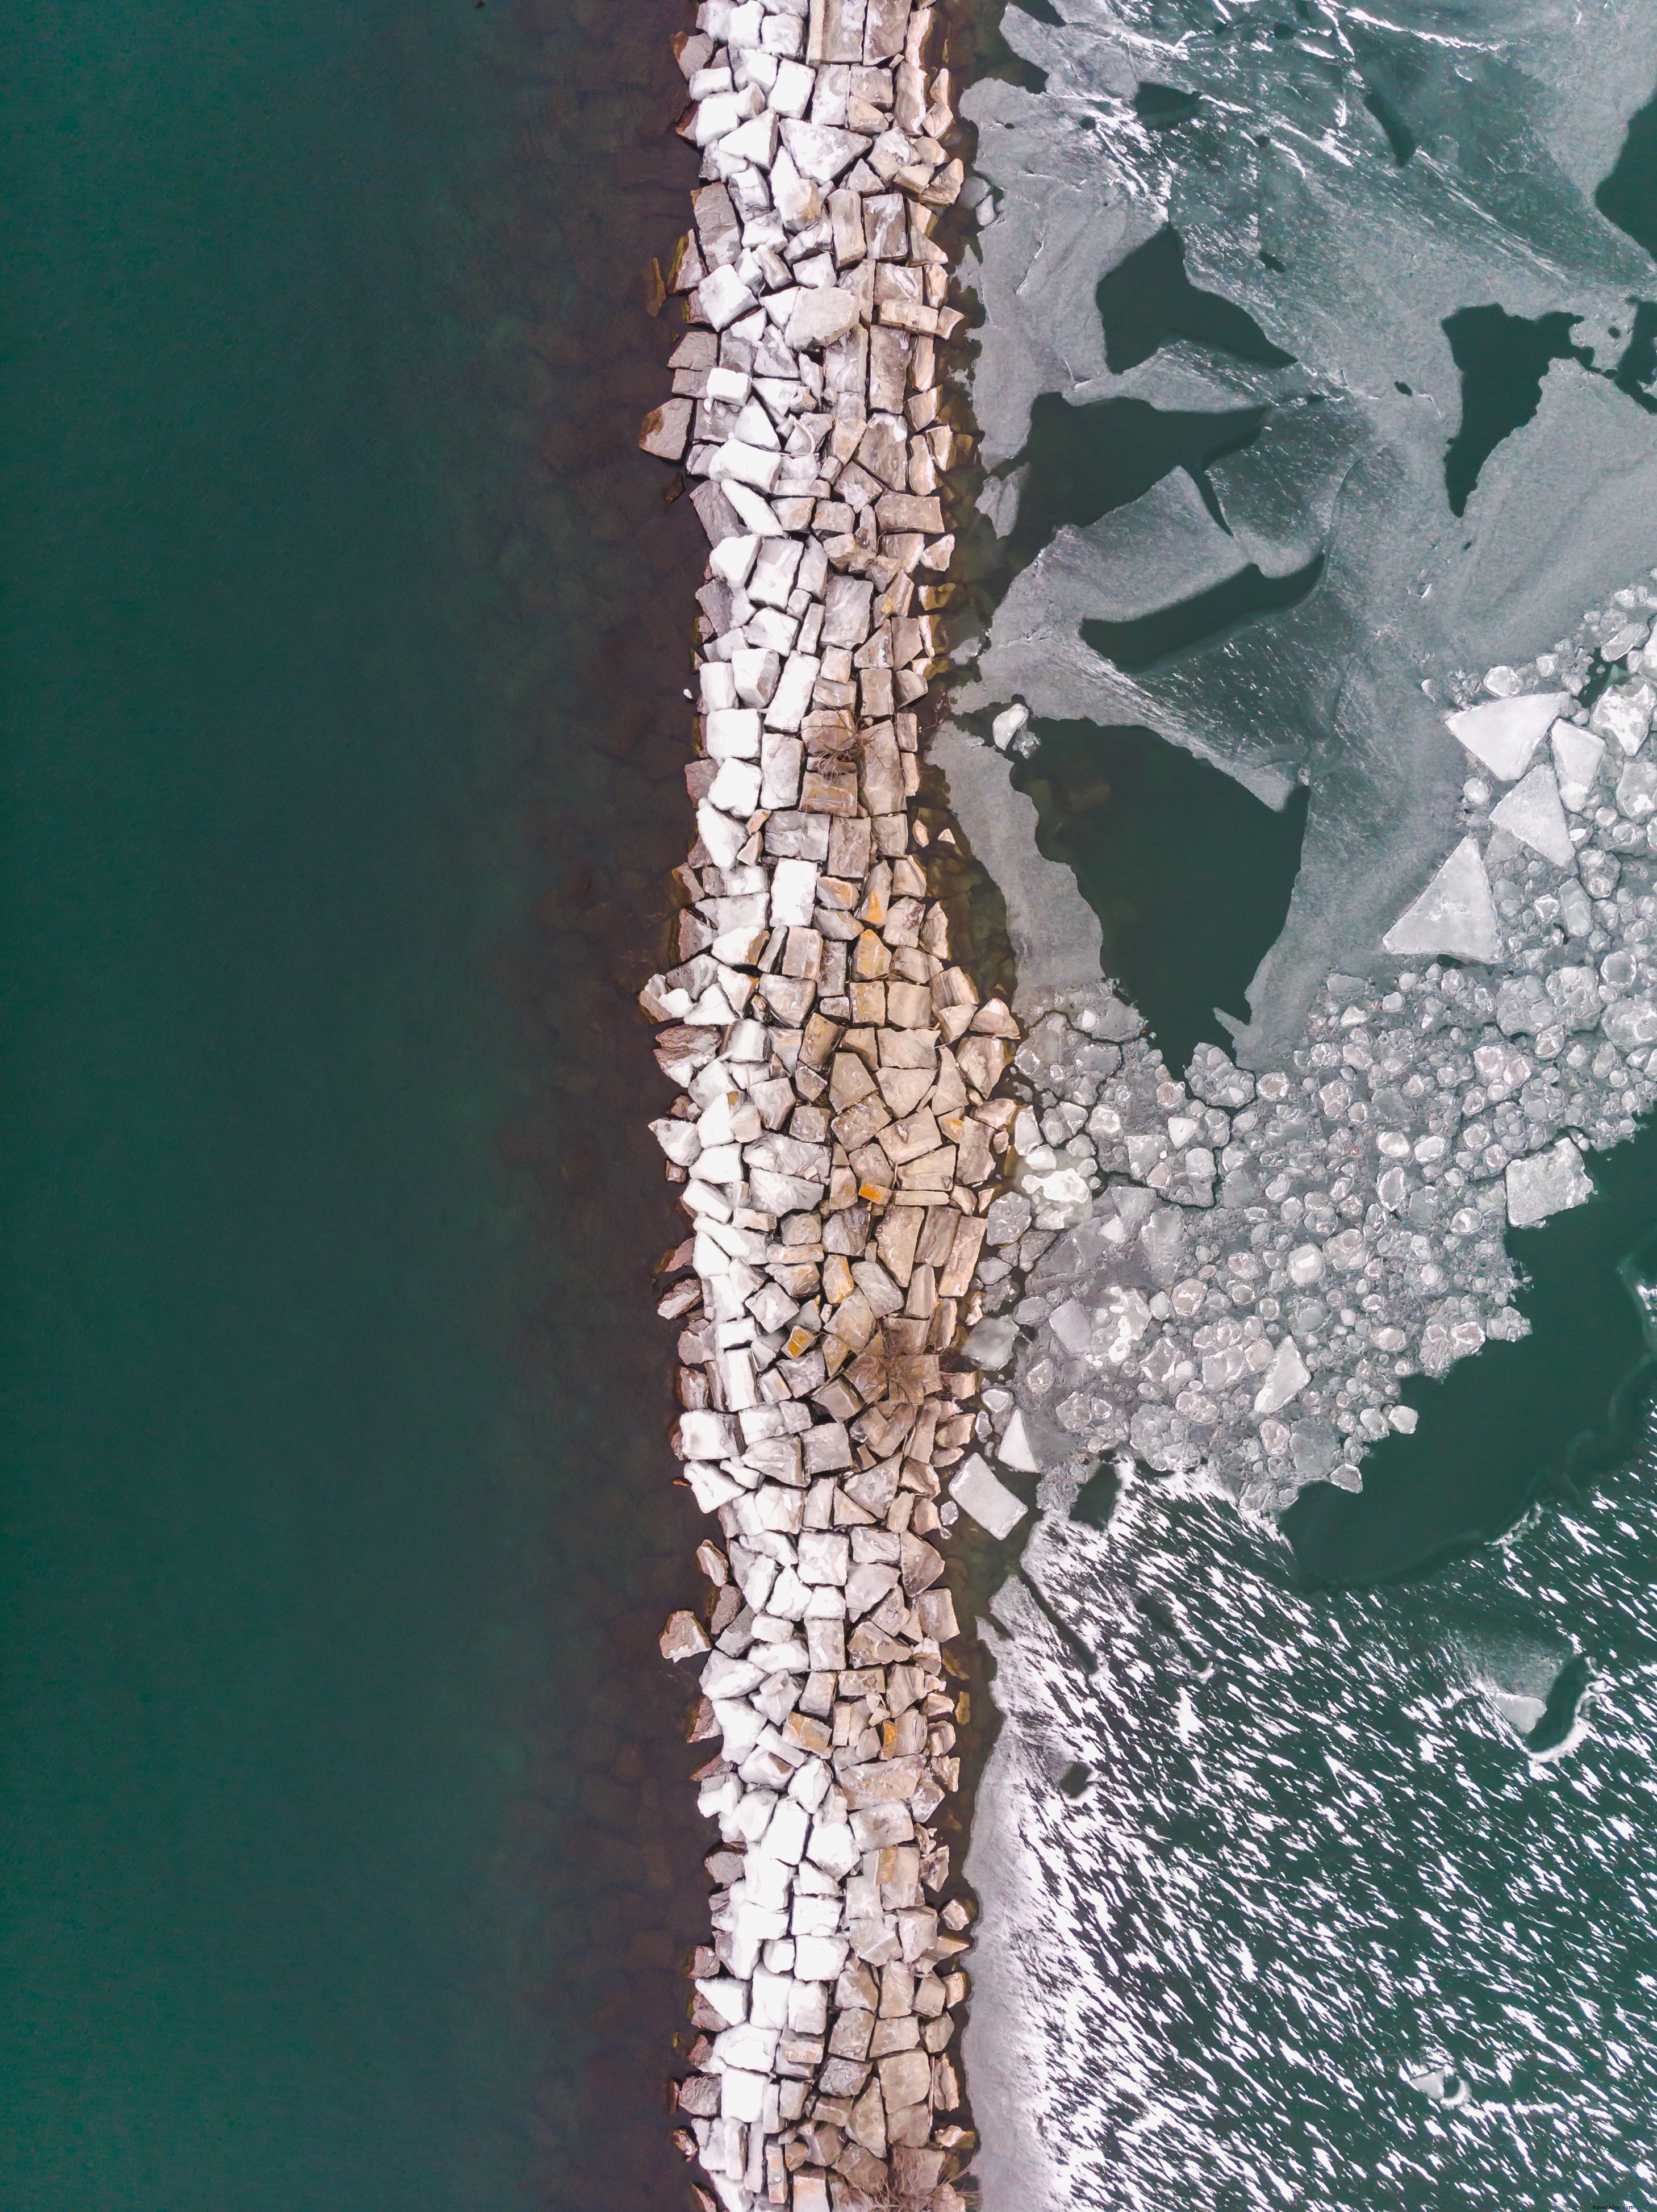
<point x="1296" y="1900"/>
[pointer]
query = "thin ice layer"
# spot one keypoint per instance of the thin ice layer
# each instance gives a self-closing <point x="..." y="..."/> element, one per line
<point x="1292" y="205"/>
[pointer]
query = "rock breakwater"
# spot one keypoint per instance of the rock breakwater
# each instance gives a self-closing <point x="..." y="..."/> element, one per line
<point x="837" y="1137"/>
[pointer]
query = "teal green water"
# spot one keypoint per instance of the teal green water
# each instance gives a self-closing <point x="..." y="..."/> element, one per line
<point x="299" y="1911"/>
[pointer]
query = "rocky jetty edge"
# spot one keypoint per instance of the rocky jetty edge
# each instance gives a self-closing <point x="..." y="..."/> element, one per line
<point x="838" y="1136"/>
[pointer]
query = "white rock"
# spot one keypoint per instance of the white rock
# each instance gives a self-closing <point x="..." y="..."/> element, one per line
<point x="1287" y="1375"/>
<point x="820" y="152"/>
<point x="754" y="673"/>
<point x="1014" y="1449"/>
<point x="754" y="140"/>
<point x="1456" y="914"/>
<point x="1577" y="754"/>
<point x="991" y="1503"/>
<point x="736" y="788"/>
<point x="707" y="1435"/>
<point x="723" y="112"/>
<point x="729" y="1998"/>
<point x="1503" y="733"/>
<point x="785" y="1838"/>
<point x="1531" y="812"/>
<point x="1305" y="1264"/>
<point x="715" y="680"/>
<point x="793" y="893"/>
<point x="750" y="508"/>
<point x="723" y="837"/>
<point x="746" y="464"/>
<point x="722" y="296"/>
<point x="731" y="385"/>
<point x="732" y="733"/>
<point x="1546" y="1183"/>
<point x="791" y="94"/>
<point x="709" y="1486"/>
<point x="742" y="2095"/>
<point x="819" y="316"/>
<point x="792" y="699"/>
<point x="796" y="199"/>
<point x="820" y="1958"/>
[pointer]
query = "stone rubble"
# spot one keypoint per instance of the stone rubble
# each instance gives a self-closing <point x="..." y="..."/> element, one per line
<point x="1229" y="1278"/>
<point x="837" y="1140"/>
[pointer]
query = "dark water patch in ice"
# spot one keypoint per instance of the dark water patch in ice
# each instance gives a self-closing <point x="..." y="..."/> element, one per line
<point x="1500" y="1427"/>
<point x="1636" y="368"/>
<point x="1628" y="197"/>
<point x="1162" y="105"/>
<point x="1095" y="1501"/>
<point x="1189" y="873"/>
<point x="1502" y="359"/>
<point x="1087" y="461"/>
<point x="1140" y="644"/>
<point x="1148" y="299"/>
<point x="1399" y="136"/>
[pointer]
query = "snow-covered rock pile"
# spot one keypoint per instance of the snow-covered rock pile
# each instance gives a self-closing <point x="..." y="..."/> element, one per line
<point x="835" y="1140"/>
<point x="1231" y="1276"/>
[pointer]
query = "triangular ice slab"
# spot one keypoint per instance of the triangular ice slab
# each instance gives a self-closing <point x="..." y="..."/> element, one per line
<point x="1577" y="754"/>
<point x="1531" y="812"/>
<point x="1456" y="914"/>
<point x="1503" y="733"/>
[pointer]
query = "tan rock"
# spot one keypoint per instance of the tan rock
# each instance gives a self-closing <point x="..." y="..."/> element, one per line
<point x="683" y="1638"/>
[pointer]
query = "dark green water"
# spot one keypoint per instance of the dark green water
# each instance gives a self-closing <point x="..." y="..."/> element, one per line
<point x="334" y="1873"/>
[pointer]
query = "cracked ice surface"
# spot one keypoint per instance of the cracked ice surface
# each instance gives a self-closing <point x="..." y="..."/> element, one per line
<point x="1232" y="1272"/>
<point x="1347" y="688"/>
<point x="1224" y="1274"/>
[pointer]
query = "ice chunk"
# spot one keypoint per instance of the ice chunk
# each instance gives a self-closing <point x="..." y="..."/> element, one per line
<point x="1625" y="715"/>
<point x="1009" y="722"/>
<point x="1287" y="1376"/>
<point x="1503" y="733"/>
<point x="1546" y="1183"/>
<point x="1015" y="1447"/>
<point x="991" y="1503"/>
<point x="1456" y="914"/>
<point x="992" y="1342"/>
<point x="1577" y="754"/>
<point x="1531" y="812"/>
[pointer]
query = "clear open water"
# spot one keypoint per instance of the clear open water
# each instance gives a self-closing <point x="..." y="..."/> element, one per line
<point x="345" y="1863"/>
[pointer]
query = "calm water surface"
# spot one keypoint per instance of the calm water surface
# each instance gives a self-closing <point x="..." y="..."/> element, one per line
<point x="336" y="1873"/>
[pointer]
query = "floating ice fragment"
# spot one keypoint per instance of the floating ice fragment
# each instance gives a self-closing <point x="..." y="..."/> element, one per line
<point x="1503" y="733"/>
<point x="1014" y="1449"/>
<point x="992" y="1343"/>
<point x="1009" y="722"/>
<point x="990" y="1503"/>
<point x="1546" y="1183"/>
<point x="1577" y="754"/>
<point x="1287" y="1375"/>
<point x="1456" y="914"/>
<point x="1636" y="790"/>
<point x="1531" y="812"/>
<point x="1624" y="715"/>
